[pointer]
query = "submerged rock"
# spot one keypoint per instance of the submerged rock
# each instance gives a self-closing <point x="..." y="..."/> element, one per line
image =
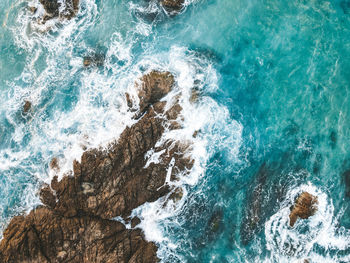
<point x="304" y="207"/>
<point x="346" y="179"/>
<point x="96" y="60"/>
<point x="333" y="139"/>
<point x="215" y="221"/>
<point x="75" y="225"/>
<point x="53" y="9"/>
<point x="255" y="207"/>
<point x="172" y="7"/>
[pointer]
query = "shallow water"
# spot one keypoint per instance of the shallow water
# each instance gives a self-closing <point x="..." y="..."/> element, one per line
<point x="274" y="84"/>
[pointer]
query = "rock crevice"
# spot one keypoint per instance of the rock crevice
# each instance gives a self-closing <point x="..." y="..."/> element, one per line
<point x="75" y="222"/>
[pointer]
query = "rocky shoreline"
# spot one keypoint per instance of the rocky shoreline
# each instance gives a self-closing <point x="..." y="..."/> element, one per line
<point x="54" y="9"/>
<point x="75" y="222"/>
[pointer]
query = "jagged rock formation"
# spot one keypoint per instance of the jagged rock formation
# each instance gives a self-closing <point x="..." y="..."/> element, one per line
<point x="304" y="207"/>
<point x="172" y="7"/>
<point x="75" y="225"/>
<point x="53" y="7"/>
<point x="45" y="236"/>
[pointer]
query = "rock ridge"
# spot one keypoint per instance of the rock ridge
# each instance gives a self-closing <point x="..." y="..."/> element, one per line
<point x="75" y="224"/>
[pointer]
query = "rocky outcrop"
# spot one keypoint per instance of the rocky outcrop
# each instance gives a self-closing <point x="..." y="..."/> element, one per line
<point x="53" y="9"/>
<point x="153" y="87"/>
<point x="45" y="236"/>
<point x="304" y="207"/>
<point x="172" y="7"/>
<point x="75" y="225"/>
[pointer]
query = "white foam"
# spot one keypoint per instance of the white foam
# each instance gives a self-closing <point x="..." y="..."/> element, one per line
<point x="216" y="131"/>
<point x="100" y="112"/>
<point x="289" y="244"/>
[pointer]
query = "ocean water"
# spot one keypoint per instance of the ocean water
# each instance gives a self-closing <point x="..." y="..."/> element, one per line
<point x="272" y="115"/>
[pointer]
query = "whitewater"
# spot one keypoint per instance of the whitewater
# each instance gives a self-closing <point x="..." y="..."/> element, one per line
<point x="261" y="83"/>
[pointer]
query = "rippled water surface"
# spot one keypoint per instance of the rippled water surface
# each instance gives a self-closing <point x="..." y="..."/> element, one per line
<point x="273" y="115"/>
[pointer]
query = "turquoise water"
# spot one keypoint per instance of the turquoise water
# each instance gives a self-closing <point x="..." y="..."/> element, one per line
<point x="273" y="114"/>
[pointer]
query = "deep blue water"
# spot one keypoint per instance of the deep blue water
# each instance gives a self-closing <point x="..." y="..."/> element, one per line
<point x="273" y="116"/>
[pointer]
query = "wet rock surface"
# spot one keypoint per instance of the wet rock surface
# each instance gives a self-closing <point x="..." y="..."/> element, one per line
<point x="53" y="9"/>
<point x="96" y="60"/>
<point x="304" y="207"/>
<point x="75" y="225"/>
<point x="162" y="83"/>
<point x="26" y="107"/>
<point x="172" y="7"/>
<point x="45" y="236"/>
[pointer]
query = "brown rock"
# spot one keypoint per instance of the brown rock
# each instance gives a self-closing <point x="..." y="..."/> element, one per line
<point x="135" y="221"/>
<point x="43" y="236"/>
<point x="53" y="7"/>
<point x="47" y="196"/>
<point x="194" y="95"/>
<point x="33" y="9"/>
<point x="75" y="224"/>
<point x="87" y="61"/>
<point x="27" y="106"/>
<point x="54" y="164"/>
<point x="304" y="207"/>
<point x="172" y="7"/>
<point x="176" y="195"/>
<point x="154" y="86"/>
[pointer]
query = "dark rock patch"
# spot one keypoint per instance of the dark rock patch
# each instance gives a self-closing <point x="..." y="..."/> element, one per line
<point x="255" y="211"/>
<point x="265" y="191"/>
<point x="346" y="179"/>
<point x="53" y="7"/>
<point x="333" y="139"/>
<point x="172" y="7"/>
<point x="215" y="222"/>
<point x="317" y="164"/>
<point x="135" y="221"/>
<point x="96" y="60"/>
<point x="345" y="5"/>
